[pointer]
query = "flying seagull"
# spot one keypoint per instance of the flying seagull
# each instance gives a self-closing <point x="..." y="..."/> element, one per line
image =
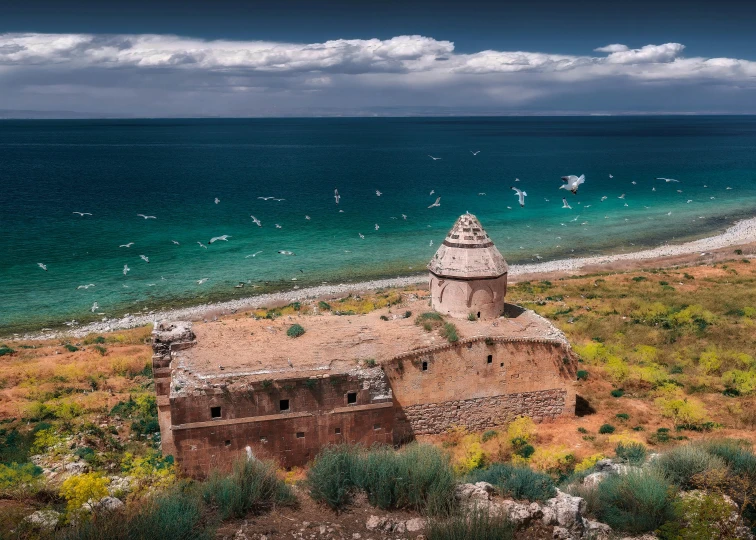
<point x="82" y="214"/>
<point x="404" y="217"/>
<point x="433" y="158"/>
<point x="572" y="182"/>
<point x="126" y="269"/>
<point x="202" y="245"/>
<point x="85" y="286"/>
<point x="265" y="198"/>
<point x="475" y="153"/>
<point x="94" y="307"/>
<point x="175" y="242"/>
<point x="432" y="192"/>
<point x="376" y="227"/>
<point x="144" y="258"/>
<point x="611" y="176"/>
<point x="255" y="254"/>
<point x="621" y="196"/>
<point x="668" y="180"/>
<point x="521" y="195"/>
<point x="362" y="236"/>
<point x="256" y="221"/>
<point x="225" y="238"/>
<point x="565" y="204"/>
<point x="42" y="266"/>
<point x="603" y="198"/>
<point x="437" y="203"/>
<point x="336" y="195"/>
<point x="201" y="281"/>
<point x="127" y="245"/>
<point x="378" y="193"/>
<point x="307" y="217"/>
<point x="278" y="226"/>
<point x="217" y="200"/>
<point x="146" y="217"/>
<point x="284" y="252"/>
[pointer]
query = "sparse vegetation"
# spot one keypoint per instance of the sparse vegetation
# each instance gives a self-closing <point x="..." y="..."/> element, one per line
<point x="475" y="525"/>
<point x="518" y="482"/>
<point x="449" y="332"/>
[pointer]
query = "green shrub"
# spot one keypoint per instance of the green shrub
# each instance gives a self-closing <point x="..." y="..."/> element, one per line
<point x="679" y="465"/>
<point x="636" y="502"/>
<point x="251" y="487"/>
<point x="488" y="435"/>
<point x="295" y="330"/>
<point x="19" y="480"/>
<point x="582" y="375"/>
<point x="617" y="392"/>
<point x="407" y="314"/>
<point x="449" y="331"/>
<point x="582" y="430"/>
<point x="631" y="453"/>
<point x="370" y="363"/>
<point x="622" y="416"/>
<point x="418" y="477"/>
<point x="475" y="525"/>
<point x="471" y="317"/>
<point x="4" y="349"/>
<point x="702" y="516"/>
<point x="100" y="349"/>
<point x="524" y="450"/>
<point x="324" y="306"/>
<point x="516" y="482"/>
<point x="70" y="348"/>
<point x="384" y="318"/>
<point x="606" y="429"/>
<point x="736" y="454"/>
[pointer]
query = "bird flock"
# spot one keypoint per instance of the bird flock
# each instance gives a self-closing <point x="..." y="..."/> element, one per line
<point x="571" y="183"/>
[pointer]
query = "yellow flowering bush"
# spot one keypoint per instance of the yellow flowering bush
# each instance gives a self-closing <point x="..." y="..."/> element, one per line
<point x="80" y="488"/>
<point x="588" y="462"/>
<point x="522" y="428"/>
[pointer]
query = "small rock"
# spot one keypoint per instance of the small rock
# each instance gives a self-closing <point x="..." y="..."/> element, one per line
<point x="77" y="467"/>
<point x="597" y="531"/>
<point x="373" y="523"/>
<point x="560" y="533"/>
<point x="43" y="519"/>
<point x="594" y="479"/>
<point x="414" y="524"/>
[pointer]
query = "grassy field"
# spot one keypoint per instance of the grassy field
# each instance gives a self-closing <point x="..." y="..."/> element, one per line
<point x="667" y="357"/>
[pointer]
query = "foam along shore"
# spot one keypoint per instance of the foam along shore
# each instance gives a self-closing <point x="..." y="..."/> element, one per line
<point x="742" y="232"/>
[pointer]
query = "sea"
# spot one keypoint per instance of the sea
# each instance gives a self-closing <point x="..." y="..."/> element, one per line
<point x="205" y="178"/>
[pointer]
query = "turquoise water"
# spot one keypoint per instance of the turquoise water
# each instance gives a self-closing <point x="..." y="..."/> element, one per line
<point x="174" y="169"/>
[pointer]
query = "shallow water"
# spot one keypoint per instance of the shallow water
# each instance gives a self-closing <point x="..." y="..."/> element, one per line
<point x="174" y="169"/>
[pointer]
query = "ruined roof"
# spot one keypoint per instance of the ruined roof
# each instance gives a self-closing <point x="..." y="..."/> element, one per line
<point x="468" y="253"/>
<point x="255" y="350"/>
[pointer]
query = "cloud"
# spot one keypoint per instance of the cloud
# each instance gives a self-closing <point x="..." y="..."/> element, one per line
<point x="173" y="74"/>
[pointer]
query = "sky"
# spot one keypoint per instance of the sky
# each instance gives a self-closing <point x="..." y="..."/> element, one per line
<point x="360" y="58"/>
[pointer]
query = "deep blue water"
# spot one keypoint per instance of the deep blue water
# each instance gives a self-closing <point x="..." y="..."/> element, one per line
<point x="174" y="169"/>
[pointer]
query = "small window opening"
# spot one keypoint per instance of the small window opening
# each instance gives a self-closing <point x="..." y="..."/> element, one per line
<point x="489" y="360"/>
<point x="479" y="314"/>
<point x="352" y="397"/>
<point x="215" y="412"/>
<point x="300" y="434"/>
<point x="376" y="427"/>
<point x="425" y="366"/>
<point x="263" y="439"/>
<point x="502" y="364"/>
<point x="283" y="405"/>
<point x="227" y="443"/>
<point x="338" y="431"/>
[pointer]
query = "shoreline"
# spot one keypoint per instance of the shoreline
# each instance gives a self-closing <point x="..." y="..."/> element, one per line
<point x="741" y="233"/>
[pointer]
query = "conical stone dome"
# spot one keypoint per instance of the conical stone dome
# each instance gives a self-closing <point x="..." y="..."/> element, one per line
<point x="468" y="253"/>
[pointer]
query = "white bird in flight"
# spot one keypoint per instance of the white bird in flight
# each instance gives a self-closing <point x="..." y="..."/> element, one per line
<point x="217" y="200"/>
<point x="224" y="237"/>
<point x="668" y="180"/>
<point x="82" y="214"/>
<point x="144" y="258"/>
<point x="437" y="203"/>
<point x="94" y="307"/>
<point x="376" y="227"/>
<point x="572" y="182"/>
<point x="475" y="153"/>
<point x="378" y="193"/>
<point x="256" y="221"/>
<point x="265" y="198"/>
<point x="603" y="198"/>
<point x="284" y="252"/>
<point x="336" y="195"/>
<point x="255" y="254"/>
<point x="146" y="217"/>
<point x="127" y="245"/>
<point x="431" y="243"/>
<point x="611" y="176"/>
<point x="175" y="242"/>
<point x="362" y="236"/>
<point x="85" y="286"/>
<point x="432" y="192"/>
<point x="202" y="245"/>
<point x="201" y="281"/>
<point x="520" y="195"/>
<point x="433" y="158"/>
<point x="565" y="204"/>
<point x="307" y="217"/>
<point x="42" y="266"/>
<point x="126" y="269"/>
<point x="404" y="217"/>
<point x="621" y="196"/>
<point x="278" y="226"/>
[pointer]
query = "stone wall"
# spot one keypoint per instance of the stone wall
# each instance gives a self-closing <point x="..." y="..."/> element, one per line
<point x="459" y="298"/>
<point x="480" y="413"/>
